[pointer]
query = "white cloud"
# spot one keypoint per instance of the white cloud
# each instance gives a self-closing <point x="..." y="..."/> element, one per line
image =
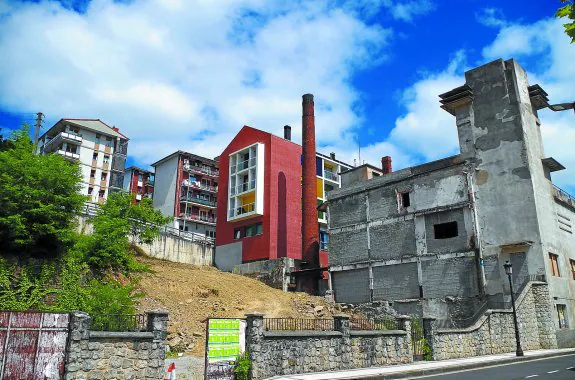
<point x="187" y="74"/>
<point x="407" y="10"/>
<point x="492" y="17"/>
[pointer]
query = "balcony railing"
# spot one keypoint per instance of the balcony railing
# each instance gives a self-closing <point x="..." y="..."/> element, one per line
<point x="69" y="155"/>
<point x="202" y="170"/>
<point x="564" y="196"/>
<point x="246" y="164"/>
<point x="149" y="182"/>
<point x="62" y="136"/>
<point x="201" y="218"/>
<point x="243" y="187"/>
<point x="243" y="210"/>
<point x="331" y="176"/>
<point x="198" y="200"/>
<point x="198" y="185"/>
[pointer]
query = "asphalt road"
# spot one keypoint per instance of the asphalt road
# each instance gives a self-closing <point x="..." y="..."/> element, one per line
<point x="557" y="368"/>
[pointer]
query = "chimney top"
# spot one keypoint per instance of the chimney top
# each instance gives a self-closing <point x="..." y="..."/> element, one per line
<point x="308" y="98"/>
<point x="287" y="132"/>
<point x="332" y="155"/>
<point x="386" y="165"/>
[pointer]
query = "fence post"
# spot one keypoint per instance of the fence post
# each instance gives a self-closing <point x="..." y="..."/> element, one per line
<point x="429" y="334"/>
<point x="405" y="324"/>
<point x="80" y="324"/>
<point x="158" y="324"/>
<point x="341" y="324"/>
<point x="254" y="341"/>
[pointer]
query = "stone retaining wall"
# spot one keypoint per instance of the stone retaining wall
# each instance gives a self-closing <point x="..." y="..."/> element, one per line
<point x="290" y="352"/>
<point x="116" y="355"/>
<point x="494" y="333"/>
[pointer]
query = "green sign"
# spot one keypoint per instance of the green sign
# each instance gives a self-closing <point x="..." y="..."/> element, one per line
<point x="224" y="340"/>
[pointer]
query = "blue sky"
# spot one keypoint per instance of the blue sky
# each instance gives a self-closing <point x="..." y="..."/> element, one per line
<point x="183" y="74"/>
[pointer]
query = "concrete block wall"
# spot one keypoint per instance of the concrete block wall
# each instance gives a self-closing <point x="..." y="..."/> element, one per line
<point x="116" y="355"/>
<point x="494" y="332"/>
<point x="276" y="353"/>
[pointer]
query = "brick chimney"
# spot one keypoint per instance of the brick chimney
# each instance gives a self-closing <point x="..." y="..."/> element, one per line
<point x="116" y="129"/>
<point x="386" y="164"/>
<point x="310" y="229"/>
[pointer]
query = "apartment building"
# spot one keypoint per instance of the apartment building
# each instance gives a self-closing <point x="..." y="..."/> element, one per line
<point x="186" y="187"/>
<point x="432" y="239"/>
<point x="100" y="149"/>
<point x="260" y="197"/>
<point x="139" y="182"/>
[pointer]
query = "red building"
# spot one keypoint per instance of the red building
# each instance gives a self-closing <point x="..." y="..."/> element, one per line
<point x="260" y="198"/>
<point x="139" y="182"/>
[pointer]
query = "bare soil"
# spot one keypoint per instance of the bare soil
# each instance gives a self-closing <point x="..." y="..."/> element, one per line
<point x="192" y="293"/>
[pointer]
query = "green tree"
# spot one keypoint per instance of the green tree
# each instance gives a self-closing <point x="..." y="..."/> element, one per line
<point x="568" y="11"/>
<point x="116" y="221"/>
<point x="39" y="198"/>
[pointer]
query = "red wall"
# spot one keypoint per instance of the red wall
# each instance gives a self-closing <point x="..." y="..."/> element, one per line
<point x="281" y="222"/>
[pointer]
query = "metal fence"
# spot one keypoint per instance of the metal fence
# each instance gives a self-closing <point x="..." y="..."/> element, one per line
<point x="388" y="323"/>
<point x="120" y="322"/>
<point x="295" y="324"/>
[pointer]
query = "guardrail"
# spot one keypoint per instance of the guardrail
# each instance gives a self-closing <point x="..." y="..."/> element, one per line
<point x="296" y="324"/>
<point x="388" y="323"/>
<point x="120" y="322"/>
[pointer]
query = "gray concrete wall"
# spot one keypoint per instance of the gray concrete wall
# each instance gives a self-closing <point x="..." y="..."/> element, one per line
<point x="165" y="186"/>
<point x="276" y="353"/>
<point x="460" y="243"/>
<point x="352" y="286"/>
<point x="456" y="277"/>
<point x="391" y="282"/>
<point x="228" y="256"/>
<point x="393" y="241"/>
<point x="274" y="273"/>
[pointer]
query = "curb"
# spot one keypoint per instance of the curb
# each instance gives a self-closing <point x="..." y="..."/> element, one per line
<point x="461" y="367"/>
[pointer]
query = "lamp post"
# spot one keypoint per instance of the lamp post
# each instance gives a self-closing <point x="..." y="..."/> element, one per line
<point x="508" y="270"/>
<point x="562" y="107"/>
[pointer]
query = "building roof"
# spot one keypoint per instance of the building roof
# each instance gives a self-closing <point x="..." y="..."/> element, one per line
<point x="192" y="156"/>
<point x="362" y="166"/>
<point x="139" y="169"/>
<point x="95" y="125"/>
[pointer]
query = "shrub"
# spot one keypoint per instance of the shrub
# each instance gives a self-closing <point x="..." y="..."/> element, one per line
<point x="243" y="367"/>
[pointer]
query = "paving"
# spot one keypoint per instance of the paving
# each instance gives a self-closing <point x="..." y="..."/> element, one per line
<point x="418" y="369"/>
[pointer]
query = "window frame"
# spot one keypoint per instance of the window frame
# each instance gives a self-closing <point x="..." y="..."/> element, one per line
<point x="554" y="259"/>
<point x="572" y="263"/>
<point x="435" y="232"/>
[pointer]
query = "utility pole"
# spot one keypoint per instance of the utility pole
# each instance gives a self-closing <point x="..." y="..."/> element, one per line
<point x="39" y="120"/>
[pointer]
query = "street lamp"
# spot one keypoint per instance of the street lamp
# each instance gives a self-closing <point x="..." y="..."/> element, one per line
<point x="508" y="270"/>
<point x="562" y="107"/>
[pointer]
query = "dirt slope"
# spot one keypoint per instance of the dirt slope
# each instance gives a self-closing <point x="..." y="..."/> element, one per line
<point x="192" y="293"/>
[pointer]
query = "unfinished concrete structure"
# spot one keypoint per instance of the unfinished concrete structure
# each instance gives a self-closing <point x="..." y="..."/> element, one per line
<point x="432" y="239"/>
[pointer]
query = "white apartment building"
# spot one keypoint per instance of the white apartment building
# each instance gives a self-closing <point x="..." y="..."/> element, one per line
<point x="100" y="149"/>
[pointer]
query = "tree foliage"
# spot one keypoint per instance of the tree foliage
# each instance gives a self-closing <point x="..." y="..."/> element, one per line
<point x="39" y="198"/>
<point x="118" y="220"/>
<point x="568" y="11"/>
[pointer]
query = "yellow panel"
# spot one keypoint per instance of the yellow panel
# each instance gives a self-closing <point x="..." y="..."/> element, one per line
<point x="328" y="165"/>
<point x="248" y="198"/>
<point x="319" y="186"/>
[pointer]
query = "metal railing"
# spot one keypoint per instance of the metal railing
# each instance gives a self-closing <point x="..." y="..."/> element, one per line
<point x="246" y="164"/>
<point x="295" y="324"/>
<point x="202" y="170"/>
<point x="563" y="194"/>
<point x="388" y="323"/>
<point x="198" y="185"/>
<point x="243" y="209"/>
<point x="198" y="217"/>
<point x="120" y="322"/>
<point x="243" y="187"/>
<point x="199" y="200"/>
<point x="330" y="175"/>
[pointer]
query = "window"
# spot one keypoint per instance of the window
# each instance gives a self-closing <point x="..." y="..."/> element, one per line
<point x="238" y="233"/>
<point x="97" y="138"/>
<point x="71" y="148"/>
<point x="92" y="174"/>
<point x="106" y="159"/>
<point x="561" y="312"/>
<point x="104" y="176"/>
<point x="90" y="190"/>
<point x="109" y="142"/>
<point x="95" y="156"/>
<point x="572" y="262"/>
<point x="554" y="264"/>
<point x="101" y="193"/>
<point x="211" y="234"/>
<point x="249" y="230"/>
<point x="445" y="230"/>
<point x="405" y="201"/>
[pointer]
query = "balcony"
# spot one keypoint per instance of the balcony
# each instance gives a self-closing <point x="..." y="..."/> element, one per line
<point x="330" y="175"/>
<point x="243" y="210"/>
<point x="198" y="200"/>
<point x="198" y="185"/>
<point x="243" y="187"/>
<point x="246" y="164"/>
<point x="199" y="218"/>
<point x="60" y="138"/>
<point x="150" y="182"/>
<point x="563" y="196"/>
<point x="68" y="155"/>
<point x="202" y="170"/>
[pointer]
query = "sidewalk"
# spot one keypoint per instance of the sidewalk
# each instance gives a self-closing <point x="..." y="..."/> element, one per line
<point x="427" y="368"/>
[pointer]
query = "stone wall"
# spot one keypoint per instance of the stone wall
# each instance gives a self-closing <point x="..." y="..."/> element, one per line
<point x="116" y="355"/>
<point x="291" y="352"/>
<point x="494" y="332"/>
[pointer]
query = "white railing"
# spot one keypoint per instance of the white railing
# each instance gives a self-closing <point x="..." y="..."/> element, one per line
<point x="243" y="210"/>
<point x="330" y="175"/>
<point x="73" y="156"/>
<point x="198" y="185"/>
<point x="70" y="137"/>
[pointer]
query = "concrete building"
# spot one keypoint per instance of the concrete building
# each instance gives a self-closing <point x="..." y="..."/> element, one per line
<point x="260" y="198"/>
<point x="432" y="239"/>
<point x="186" y="187"/>
<point x="100" y="149"/>
<point x="139" y="182"/>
